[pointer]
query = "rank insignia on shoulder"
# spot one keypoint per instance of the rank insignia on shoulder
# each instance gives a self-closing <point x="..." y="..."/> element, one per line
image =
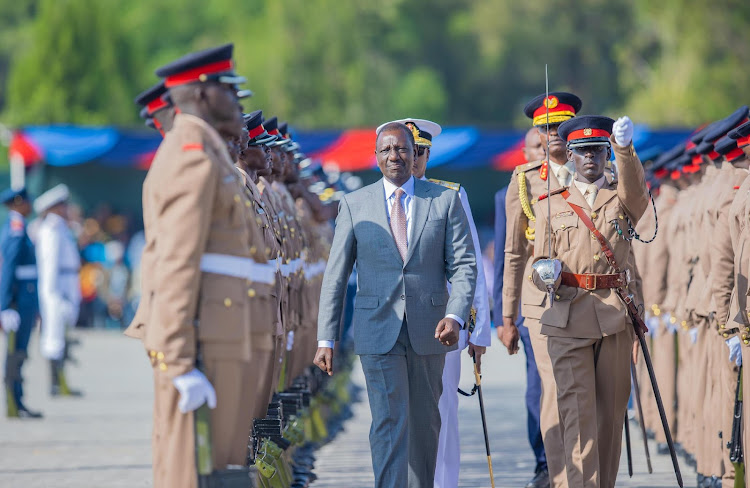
<point x="447" y="184"/>
<point x="543" y="170"/>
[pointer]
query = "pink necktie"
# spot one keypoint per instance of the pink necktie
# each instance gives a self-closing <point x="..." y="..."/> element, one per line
<point x="398" y="223"/>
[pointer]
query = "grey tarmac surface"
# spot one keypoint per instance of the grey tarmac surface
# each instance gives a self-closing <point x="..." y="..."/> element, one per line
<point x="103" y="439"/>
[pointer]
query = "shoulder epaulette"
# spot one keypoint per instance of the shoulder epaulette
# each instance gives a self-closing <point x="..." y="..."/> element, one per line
<point x="447" y="184"/>
<point x="551" y="194"/>
<point x="529" y="166"/>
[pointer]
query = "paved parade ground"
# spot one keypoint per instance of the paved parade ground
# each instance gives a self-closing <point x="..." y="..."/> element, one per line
<point x="103" y="439"/>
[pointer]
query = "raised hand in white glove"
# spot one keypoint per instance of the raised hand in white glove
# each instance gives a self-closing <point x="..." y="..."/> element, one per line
<point x="623" y="131"/>
<point x="10" y="320"/>
<point x="735" y="350"/>
<point x="195" y="389"/>
<point x="693" y="335"/>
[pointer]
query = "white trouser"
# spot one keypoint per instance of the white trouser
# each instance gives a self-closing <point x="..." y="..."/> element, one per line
<point x="449" y="449"/>
<point x="52" y="336"/>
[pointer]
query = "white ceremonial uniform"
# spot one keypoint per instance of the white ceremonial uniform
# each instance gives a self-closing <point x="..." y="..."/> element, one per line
<point x="449" y="453"/>
<point x="58" y="262"/>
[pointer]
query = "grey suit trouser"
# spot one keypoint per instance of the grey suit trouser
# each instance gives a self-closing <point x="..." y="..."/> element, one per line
<point x="404" y="389"/>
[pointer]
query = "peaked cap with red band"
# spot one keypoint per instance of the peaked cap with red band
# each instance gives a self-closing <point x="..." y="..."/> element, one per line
<point x="255" y="129"/>
<point x="727" y="147"/>
<point x="741" y="134"/>
<point x="562" y="106"/>
<point x="720" y="128"/>
<point x="587" y="130"/>
<point x="153" y="99"/>
<point x="272" y="126"/>
<point x="214" y="64"/>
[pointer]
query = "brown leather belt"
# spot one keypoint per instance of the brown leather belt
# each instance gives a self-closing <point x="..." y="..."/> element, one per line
<point x="592" y="281"/>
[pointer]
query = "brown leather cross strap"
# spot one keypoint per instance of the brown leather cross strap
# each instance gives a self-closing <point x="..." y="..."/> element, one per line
<point x="621" y="290"/>
<point x="590" y="226"/>
<point x="591" y="281"/>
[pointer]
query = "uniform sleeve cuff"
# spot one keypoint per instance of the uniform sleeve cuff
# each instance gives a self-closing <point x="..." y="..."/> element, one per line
<point x="328" y="344"/>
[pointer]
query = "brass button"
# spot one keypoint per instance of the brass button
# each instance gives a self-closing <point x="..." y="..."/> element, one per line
<point x="725" y="335"/>
<point x="227" y="302"/>
<point x="162" y="366"/>
<point x="268" y="251"/>
<point x="557" y="297"/>
<point x="237" y="198"/>
<point x="253" y="249"/>
<point x="722" y="326"/>
<point x="596" y="257"/>
<point x="530" y="279"/>
<point x="251" y="293"/>
<point x="160" y="356"/>
<point x="672" y="320"/>
<point x="594" y="215"/>
<point x="621" y="217"/>
<point x="152" y="354"/>
<point x="247" y="203"/>
<point x="593" y="236"/>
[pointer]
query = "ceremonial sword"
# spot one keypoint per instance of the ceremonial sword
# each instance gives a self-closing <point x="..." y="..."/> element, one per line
<point x="637" y="390"/>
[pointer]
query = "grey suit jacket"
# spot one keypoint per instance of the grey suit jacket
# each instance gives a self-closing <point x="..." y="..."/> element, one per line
<point x="440" y="249"/>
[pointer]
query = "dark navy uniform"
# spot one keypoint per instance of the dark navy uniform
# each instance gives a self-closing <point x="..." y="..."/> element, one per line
<point x="18" y="291"/>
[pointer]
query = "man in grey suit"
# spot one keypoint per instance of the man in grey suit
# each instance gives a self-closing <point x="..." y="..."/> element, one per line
<point x="407" y="237"/>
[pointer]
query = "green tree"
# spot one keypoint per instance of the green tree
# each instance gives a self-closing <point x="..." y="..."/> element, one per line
<point x="77" y="68"/>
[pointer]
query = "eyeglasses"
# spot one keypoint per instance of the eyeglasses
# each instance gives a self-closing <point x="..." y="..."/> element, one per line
<point x="582" y="150"/>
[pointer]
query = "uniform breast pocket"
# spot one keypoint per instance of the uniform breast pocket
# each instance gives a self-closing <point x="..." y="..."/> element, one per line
<point x="435" y="223"/>
<point x="616" y="223"/>
<point x="223" y="310"/>
<point x="565" y="227"/>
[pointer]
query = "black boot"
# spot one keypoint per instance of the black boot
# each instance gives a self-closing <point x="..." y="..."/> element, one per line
<point x="21" y="410"/>
<point x="59" y="383"/>
<point x="540" y="479"/>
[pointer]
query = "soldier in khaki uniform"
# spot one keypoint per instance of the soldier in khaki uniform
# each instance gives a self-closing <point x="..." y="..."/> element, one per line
<point x="527" y="183"/>
<point x="194" y="299"/>
<point x="739" y="217"/>
<point x="654" y="262"/>
<point x="589" y="335"/>
<point x="722" y="287"/>
<point x="288" y="249"/>
<point x="267" y="322"/>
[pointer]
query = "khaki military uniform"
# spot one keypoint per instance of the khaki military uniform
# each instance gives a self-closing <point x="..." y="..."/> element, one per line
<point x="296" y="232"/>
<point x="527" y="183"/>
<point x="592" y="396"/>
<point x="739" y="218"/>
<point x="193" y="205"/>
<point x="283" y="236"/>
<point x="265" y="325"/>
<point x="655" y="262"/>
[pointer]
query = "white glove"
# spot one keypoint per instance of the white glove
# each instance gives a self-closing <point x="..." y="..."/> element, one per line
<point x="623" y="131"/>
<point x="10" y="320"/>
<point x="195" y="389"/>
<point x="735" y="350"/>
<point x="653" y="324"/>
<point x="693" y="335"/>
<point x="290" y="341"/>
